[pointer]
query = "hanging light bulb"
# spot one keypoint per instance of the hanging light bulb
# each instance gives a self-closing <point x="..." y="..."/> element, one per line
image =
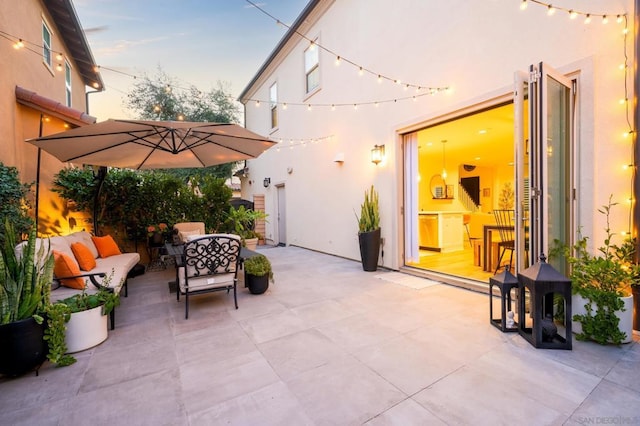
<point x="338" y="59"/>
<point x="523" y="4"/>
<point x="360" y="72"/>
<point x="587" y="20"/>
<point x="619" y="19"/>
<point x="59" y="67"/>
<point x="573" y="14"/>
<point x="551" y="10"/>
<point x="59" y="56"/>
<point x="18" y="44"/>
<point x="605" y="20"/>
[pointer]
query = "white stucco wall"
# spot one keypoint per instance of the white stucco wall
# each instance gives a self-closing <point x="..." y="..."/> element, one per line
<point x="473" y="46"/>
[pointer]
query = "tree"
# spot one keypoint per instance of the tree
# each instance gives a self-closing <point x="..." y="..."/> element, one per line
<point x="14" y="205"/>
<point x="160" y="97"/>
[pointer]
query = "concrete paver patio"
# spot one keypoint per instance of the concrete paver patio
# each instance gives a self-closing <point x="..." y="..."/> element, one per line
<point x="328" y="344"/>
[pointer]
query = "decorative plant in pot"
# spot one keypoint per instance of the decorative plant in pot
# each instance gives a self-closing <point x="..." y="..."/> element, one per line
<point x="258" y="273"/>
<point x="369" y="230"/>
<point x="28" y="321"/>
<point x="601" y="286"/>
<point x="87" y="326"/>
<point x="157" y="234"/>
<point x="242" y="222"/>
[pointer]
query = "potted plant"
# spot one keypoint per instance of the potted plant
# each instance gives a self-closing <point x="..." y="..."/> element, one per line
<point x="258" y="273"/>
<point x="157" y="234"/>
<point x="243" y="222"/>
<point x="87" y="326"/>
<point x="25" y="285"/>
<point x="369" y="230"/>
<point x="601" y="286"/>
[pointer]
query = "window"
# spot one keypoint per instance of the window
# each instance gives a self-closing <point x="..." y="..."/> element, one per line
<point x="312" y="68"/>
<point x="67" y="83"/>
<point x="273" y="104"/>
<point x="46" y="45"/>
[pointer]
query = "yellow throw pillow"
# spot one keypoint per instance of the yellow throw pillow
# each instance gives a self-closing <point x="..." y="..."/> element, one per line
<point x="84" y="256"/>
<point x="64" y="266"/>
<point x="106" y="246"/>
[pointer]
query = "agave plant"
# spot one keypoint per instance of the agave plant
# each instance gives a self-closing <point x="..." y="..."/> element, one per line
<point x="24" y="280"/>
<point x="369" y="219"/>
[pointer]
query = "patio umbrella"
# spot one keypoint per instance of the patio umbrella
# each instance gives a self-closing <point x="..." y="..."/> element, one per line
<point x="137" y="144"/>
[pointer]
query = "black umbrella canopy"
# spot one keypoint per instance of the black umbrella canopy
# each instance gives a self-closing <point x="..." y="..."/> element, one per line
<point x="136" y="144"/>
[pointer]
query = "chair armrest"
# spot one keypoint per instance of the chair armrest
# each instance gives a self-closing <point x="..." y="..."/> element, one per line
<point x="92" y="278"/>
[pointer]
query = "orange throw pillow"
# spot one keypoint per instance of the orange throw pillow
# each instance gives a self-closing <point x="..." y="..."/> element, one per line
<point x="64" y="266"/>
<point x="84" y="256"/>
<point x="106" y="246"/>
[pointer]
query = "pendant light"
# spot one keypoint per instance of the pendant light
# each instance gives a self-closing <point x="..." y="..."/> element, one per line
<point x="444" y="161"/>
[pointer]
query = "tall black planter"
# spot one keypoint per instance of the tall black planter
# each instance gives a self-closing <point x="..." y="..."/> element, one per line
<point x="369" y="249"/>
<point x="22" y="346"/>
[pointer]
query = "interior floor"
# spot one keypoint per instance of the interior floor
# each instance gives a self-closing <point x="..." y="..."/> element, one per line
<point x="460" y="261"/>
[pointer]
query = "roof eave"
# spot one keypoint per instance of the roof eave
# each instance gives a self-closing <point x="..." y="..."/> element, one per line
<point x="68" y="24"/>
<point x="283" y="42"/>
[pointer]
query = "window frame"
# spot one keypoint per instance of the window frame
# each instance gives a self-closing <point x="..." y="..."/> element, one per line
<point x="68" y="83"/>
<point x="273" y="104"/>
<point x="313" y="70"/>
<point x="47" y="45"/>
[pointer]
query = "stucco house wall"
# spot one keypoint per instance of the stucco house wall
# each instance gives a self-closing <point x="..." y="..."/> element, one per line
<point x="25" y="68"/>
<point x="472" y="47"/>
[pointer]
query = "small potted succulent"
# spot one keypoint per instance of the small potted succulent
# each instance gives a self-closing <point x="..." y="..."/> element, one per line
<point x="257" y="273"/>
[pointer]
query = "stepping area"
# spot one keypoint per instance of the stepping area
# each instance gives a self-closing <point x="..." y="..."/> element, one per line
<point x="327" y="344"/>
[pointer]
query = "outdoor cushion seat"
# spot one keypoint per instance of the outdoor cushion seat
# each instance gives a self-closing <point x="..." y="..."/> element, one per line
<point x="187" y="229"/>
<point x="119" y="265"/>
<point x="209" y="263"/>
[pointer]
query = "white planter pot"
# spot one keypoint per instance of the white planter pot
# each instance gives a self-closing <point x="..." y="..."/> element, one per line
<point x="626" y="317"/>
<point x="86" y="329"/>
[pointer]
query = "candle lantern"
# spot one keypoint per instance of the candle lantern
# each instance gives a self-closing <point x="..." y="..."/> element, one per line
<point x="507" y="283"/>
<point x="537" y="287"/>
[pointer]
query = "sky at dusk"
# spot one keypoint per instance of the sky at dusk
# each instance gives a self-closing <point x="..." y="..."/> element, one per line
<point x="197" y="42"/>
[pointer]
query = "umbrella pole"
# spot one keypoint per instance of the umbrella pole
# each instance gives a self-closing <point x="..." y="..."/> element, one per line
<point x="102" y="175"/>
<point x="38" y="173"/>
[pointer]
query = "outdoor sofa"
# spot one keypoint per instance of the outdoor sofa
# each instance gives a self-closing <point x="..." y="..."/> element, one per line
<point x="84" y="263"/>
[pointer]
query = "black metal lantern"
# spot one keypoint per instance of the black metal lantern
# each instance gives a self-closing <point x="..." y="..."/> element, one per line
<point x="506" y="282"/>
<point x="536" y="321"/>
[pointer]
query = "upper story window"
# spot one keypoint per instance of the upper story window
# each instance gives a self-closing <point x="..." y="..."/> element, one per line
<point x="46" y="45"/>
<point x="273" y="104"/>
<point x="312" y="67"/>
<point x="67" y="82"/>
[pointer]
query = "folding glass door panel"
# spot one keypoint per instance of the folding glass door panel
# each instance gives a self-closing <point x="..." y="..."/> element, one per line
<point x="545" y="160"/>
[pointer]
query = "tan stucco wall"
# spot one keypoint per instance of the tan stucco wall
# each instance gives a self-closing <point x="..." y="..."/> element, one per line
<point x="26" y="69"/>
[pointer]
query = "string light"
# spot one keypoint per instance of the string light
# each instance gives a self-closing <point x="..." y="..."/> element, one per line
<point x="339" y="58"/>
<point x="355" y="105"/>
<point x="291" y="143"/>
<point x="551" y="9"/>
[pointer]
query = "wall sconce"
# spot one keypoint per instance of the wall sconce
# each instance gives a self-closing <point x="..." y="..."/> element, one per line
<point x="377" y="154"/>
<point x="266" y="182"/>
